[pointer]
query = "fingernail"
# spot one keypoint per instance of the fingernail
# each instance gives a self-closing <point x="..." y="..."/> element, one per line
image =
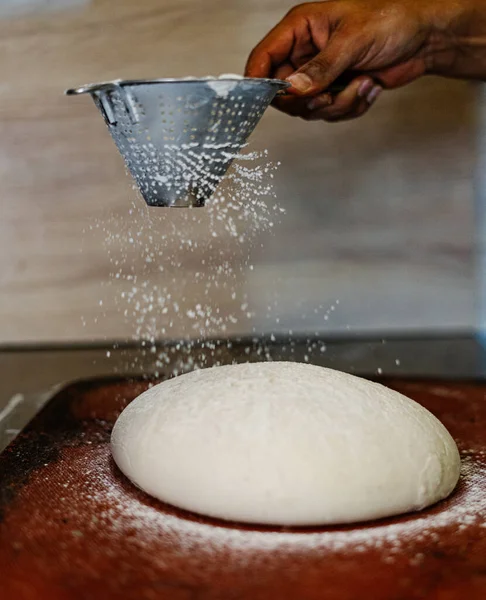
<point x="373" y="95"/>
<point x="365" y="88"/>
<point x="319" y="101"/>
<point x="300" y="81"/>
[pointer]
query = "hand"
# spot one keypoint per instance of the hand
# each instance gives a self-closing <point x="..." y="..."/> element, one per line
<point x="381" y="43"/>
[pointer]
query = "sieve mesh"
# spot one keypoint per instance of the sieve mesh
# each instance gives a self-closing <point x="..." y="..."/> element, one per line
<point x="179" y="137"/>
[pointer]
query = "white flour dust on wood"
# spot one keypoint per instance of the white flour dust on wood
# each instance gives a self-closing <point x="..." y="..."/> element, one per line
<point x="120" y="512"/>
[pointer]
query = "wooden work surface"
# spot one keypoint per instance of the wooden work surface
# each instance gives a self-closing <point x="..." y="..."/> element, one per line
<point x="72" y="527"/>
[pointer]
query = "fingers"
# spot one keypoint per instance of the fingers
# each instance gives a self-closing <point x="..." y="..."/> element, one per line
<point x="283" y="71"/>
<point x="352" y="102"/>
<point x="399" y="75"/>
<point x="291" y="51"/>
<point x="294" y="40"/>
<point x="298" y="107"/>
<point x="318" y="74"/>
<point x="272" y="51"/>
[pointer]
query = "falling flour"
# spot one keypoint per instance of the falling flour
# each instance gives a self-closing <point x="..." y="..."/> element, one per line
<point x="183" y="274"/>
<point x="179" y="274"/>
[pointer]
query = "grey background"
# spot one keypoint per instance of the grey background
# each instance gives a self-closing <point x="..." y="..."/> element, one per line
<point x="379" y="212"/>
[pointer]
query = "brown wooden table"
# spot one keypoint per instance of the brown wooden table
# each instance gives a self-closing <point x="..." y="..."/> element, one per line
<point x="72" y="527"/>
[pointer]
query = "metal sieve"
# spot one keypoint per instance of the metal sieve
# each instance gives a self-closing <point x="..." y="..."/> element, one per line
<point x="178" y="137"/>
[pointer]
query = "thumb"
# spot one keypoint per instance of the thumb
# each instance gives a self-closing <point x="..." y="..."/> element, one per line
<point x="318" y="74"/>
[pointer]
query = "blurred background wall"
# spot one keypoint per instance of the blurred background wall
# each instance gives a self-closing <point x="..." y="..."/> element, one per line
<point x="378" y="212"/>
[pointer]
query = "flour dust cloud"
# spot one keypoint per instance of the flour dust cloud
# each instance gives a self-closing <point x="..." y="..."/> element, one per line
<point x="179" y="273"/>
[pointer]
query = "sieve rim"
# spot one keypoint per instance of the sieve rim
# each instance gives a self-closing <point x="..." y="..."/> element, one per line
<point x="111" y="85"/>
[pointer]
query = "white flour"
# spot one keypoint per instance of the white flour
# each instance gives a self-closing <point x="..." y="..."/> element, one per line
<point x="178" y="273"/>
<point x="127" y="513"/>
<point x="223" y="84"/>
<point x="181" y="274"/>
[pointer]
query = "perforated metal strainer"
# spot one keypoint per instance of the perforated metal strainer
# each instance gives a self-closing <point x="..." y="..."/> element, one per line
<point x="178" y="137"/>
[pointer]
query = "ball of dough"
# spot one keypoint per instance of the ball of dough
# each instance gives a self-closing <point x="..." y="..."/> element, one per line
<point x="284" y="443"/>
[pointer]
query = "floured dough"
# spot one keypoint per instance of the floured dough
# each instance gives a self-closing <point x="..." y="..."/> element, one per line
<point x="284" y="443"/>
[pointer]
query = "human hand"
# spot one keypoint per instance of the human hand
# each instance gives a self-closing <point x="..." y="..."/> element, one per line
<point x="377" y="44"/>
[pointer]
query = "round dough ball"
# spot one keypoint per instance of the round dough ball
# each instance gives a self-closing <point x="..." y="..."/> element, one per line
<point x="284" y="443"/>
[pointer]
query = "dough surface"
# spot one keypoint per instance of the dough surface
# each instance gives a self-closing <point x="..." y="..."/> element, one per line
<point x="286" y="444"/>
